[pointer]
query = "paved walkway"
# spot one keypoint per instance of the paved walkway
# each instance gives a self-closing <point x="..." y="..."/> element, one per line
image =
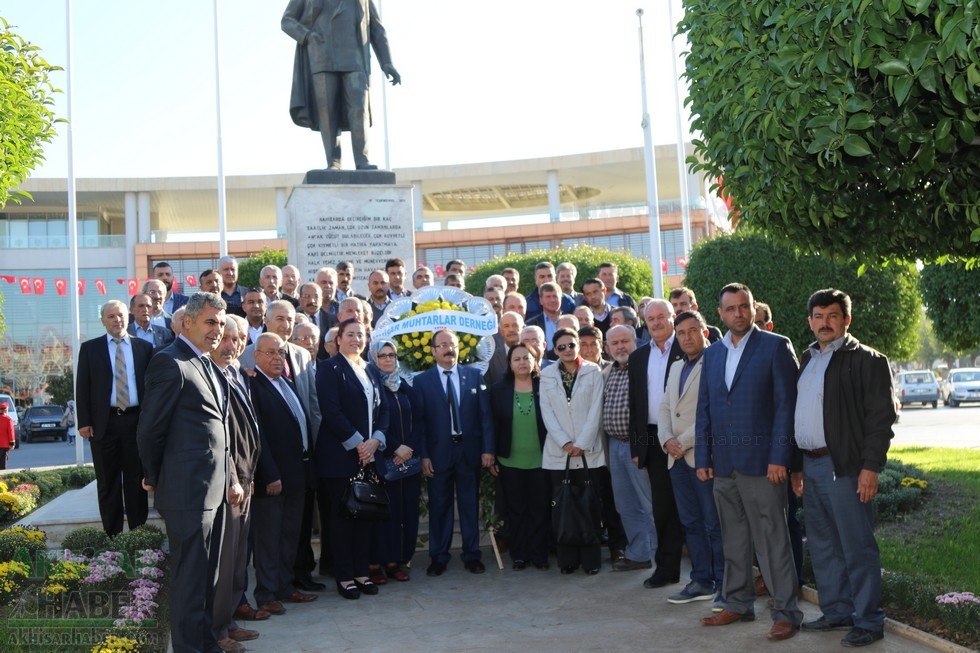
<point x="530" y="610"/>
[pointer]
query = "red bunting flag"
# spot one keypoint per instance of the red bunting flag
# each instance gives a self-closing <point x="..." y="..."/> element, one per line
<point x="81" y="286"/>
<point x="132" y="286"/>
<point x="663" y="264"/>
<point x="681" y="261"/>
<point x="100" y="284"/>
<point x="61" y="287"/>
<point x="38" y="286"/>
<point x="25" y="285"/>
<point x="191" y="281"/>
<point x="439" y="270"/>
<point x="9" y="278"/>
<point x="175" y="287"/>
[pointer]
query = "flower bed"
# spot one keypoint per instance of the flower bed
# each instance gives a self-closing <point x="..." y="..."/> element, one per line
<point x="78" y="601"/>
<point x="26" y="490"/>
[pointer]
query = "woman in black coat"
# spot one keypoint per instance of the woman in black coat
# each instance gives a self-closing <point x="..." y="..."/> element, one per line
<point x="520" y="436"/>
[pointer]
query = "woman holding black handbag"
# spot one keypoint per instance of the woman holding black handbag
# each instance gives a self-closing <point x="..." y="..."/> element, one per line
<point x="352" y="431"/>
<point x="395" y="540"/>
<point x="516" y="406"/>
<point x="571" y="405"/>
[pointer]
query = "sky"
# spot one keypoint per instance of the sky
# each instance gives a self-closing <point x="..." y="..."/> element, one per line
<point x="481" y="81"/>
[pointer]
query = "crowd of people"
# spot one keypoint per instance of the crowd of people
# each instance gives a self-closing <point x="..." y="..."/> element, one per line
<point x="242" y="405"/>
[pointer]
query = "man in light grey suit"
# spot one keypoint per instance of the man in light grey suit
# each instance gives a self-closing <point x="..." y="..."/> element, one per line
<point x="183" y="444"/>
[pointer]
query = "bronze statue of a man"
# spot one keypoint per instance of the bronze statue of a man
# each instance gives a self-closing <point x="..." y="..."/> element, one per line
<point x="330" y="75"/>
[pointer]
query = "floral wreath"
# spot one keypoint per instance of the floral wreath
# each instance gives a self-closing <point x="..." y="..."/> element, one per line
<point x="411" y="321"/>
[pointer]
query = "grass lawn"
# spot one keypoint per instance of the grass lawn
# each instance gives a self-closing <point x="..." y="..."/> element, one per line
<point x="941" y="539"/>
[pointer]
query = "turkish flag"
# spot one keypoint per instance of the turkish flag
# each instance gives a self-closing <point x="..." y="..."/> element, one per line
<point x="191" y="281"/>
<point x="38" y="286"/>
<point x="682" y="262"/>
<point x="25" y="285"/>
<point x="81" y="286"/>
<point x="132" y="285"/>
<point x="175" y="287"/>
<point x="9" y="278"/>
<point x="100" y="284"/>
<point x="61" y="286"/>
<point x="439" y="270"/>
<point x="663" y="265"/>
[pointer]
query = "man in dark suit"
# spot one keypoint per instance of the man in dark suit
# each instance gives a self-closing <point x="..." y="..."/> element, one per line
<point x="544" y="272"/>
<point x="183" y="443"/>
<point x="684" y="301"/>
<point x="243" y="442"/>
<point x="108" y="414"/>
<point x="455" y="430"/>
<point x="648" y="367"/>
<point x="744" y="441"/>
<point x="284" y="476"/>
<point x="311" y="303"/>
<point x="140" y="326"/>
<point x="162" y="271"/>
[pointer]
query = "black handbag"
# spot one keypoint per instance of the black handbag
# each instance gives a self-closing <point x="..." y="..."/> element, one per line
<point x="395" y="472"/>
<point x="365" y="498"/>
<point x="576" y="510"/>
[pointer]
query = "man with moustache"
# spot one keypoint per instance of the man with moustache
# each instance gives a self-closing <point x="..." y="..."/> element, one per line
<point x="209" y="281"/>
<point x="326" y="278"/>
<point x="244" y="448"/>
<point x="183" y="444"/>
<point x="594" y="297"/>
<point x="254" y="305"/>
<point x="744" y="441"/>
<point x="140" y="326"/>
<point x="311" y="302"/>
<point x="270" y="279"/>
<point x="683" y="300"/>
<point x="291" y="280"/>
<point x="422" y="277"/>
<point x="378" y="298"/>
<point x="163" y="272"/>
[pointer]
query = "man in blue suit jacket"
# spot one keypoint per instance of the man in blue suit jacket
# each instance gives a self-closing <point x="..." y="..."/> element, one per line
<point x="457" y="438"/>
<point x="744" y="441"/>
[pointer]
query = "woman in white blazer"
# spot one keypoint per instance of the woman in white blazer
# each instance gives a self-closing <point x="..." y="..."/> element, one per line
<point x="571" y="405"/>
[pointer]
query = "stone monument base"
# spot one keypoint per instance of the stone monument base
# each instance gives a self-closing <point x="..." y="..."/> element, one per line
<point x="329" y="176"/>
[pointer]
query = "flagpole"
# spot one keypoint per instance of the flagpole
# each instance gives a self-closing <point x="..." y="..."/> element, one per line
<point x="222" y="217"/>
<point x="75" y="319"/>
<point x="653" y="207"/>
<point x="681" y="154"/>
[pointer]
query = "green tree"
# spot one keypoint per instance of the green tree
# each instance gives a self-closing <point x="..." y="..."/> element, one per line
<point x="249" y="269"/>
<point x="61" y="387"/>
<point x="635" y="277"/>
<point x="26" y="118"/>
<point x="950" y="294"/>
<point x="847" y="126"/>
<point x="885" y="299"/>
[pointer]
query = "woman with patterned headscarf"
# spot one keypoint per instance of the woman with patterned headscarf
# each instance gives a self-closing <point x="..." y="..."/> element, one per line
<point x="395" y="540"/>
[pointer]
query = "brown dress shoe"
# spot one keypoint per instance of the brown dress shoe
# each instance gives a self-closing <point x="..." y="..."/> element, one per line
<point x="230" y="646"/>
<point x="272" y="607"/>
<point x="245" y="612"/>
<point x="300" y="597"/>
<point x="782" y="630"/>
<point x="760" y="586"/>
<point x="243" y="634"/>
<point x="726" y="617"/>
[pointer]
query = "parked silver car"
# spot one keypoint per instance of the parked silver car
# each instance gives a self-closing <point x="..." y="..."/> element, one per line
<point x="962" y="385"/>
<point x="917" y="387"/>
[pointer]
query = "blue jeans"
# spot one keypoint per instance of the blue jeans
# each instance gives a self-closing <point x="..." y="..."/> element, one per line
<point x="696" y="507"/>
<point x="840" y="533"/>
<point x="634" y="501"/>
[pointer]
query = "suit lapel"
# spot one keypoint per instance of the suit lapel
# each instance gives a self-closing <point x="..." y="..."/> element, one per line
<point x="743" y="362"/>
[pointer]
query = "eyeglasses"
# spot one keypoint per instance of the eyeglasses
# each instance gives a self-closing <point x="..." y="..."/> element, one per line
<point x="387" y="356"/>
<point x="446" y="345"/>
<point x="570" y="345"/>
<point x="275" y="352"/>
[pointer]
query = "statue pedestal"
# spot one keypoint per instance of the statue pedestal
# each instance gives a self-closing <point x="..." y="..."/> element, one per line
<point x="360" y="216"/>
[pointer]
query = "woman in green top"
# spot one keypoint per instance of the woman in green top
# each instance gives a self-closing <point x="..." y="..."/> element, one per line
<point x="520" y="434"/>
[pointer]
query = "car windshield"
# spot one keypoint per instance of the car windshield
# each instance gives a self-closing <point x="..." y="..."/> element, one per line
<point x="923" y="377"/>
<point x="964" y="377"/>
<point x="46" y="411"/>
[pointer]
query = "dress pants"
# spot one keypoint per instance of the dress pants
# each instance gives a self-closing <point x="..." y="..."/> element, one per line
<point x="119" y="474"/>
<point x="611" y="521"/>
<point x="195" y="546"/>
<point x="752" y="512"/>
<point x="670" y="533"/>
<point x="395" y="540"/>
<point x="840" y="533"/>
<point x="350" y="539"/>
<point x="634" y="503"/>
<point x="527" y="496"/>
<point x="232" y="567"/>
<point x="463" y="480"/>
<point x="702" y="531"/>
<point x="305" y="561"/>
<point x="588" y="557"/>
<point x="274" y="539"/>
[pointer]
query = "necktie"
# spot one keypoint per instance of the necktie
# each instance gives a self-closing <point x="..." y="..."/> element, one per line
<point x="451" y="395"/>
<point x="212" y="379"/>
<point x="121" y="376"/>
<point x="295" y="408"/>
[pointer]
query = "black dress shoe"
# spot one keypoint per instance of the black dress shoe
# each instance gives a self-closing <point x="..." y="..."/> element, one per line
<point x="366" y="587"/>
<point x="568" y="570"/>
<point x="660" y="580"/>
<point x="474" y="567"/>
<point x="544" y="566"/>
<point x="309" y="585"/>
<point x="351" y="592"/>
<point x="592" y="572"/>
<point x="436" y="569"/>
<point x="519" y="565"/>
